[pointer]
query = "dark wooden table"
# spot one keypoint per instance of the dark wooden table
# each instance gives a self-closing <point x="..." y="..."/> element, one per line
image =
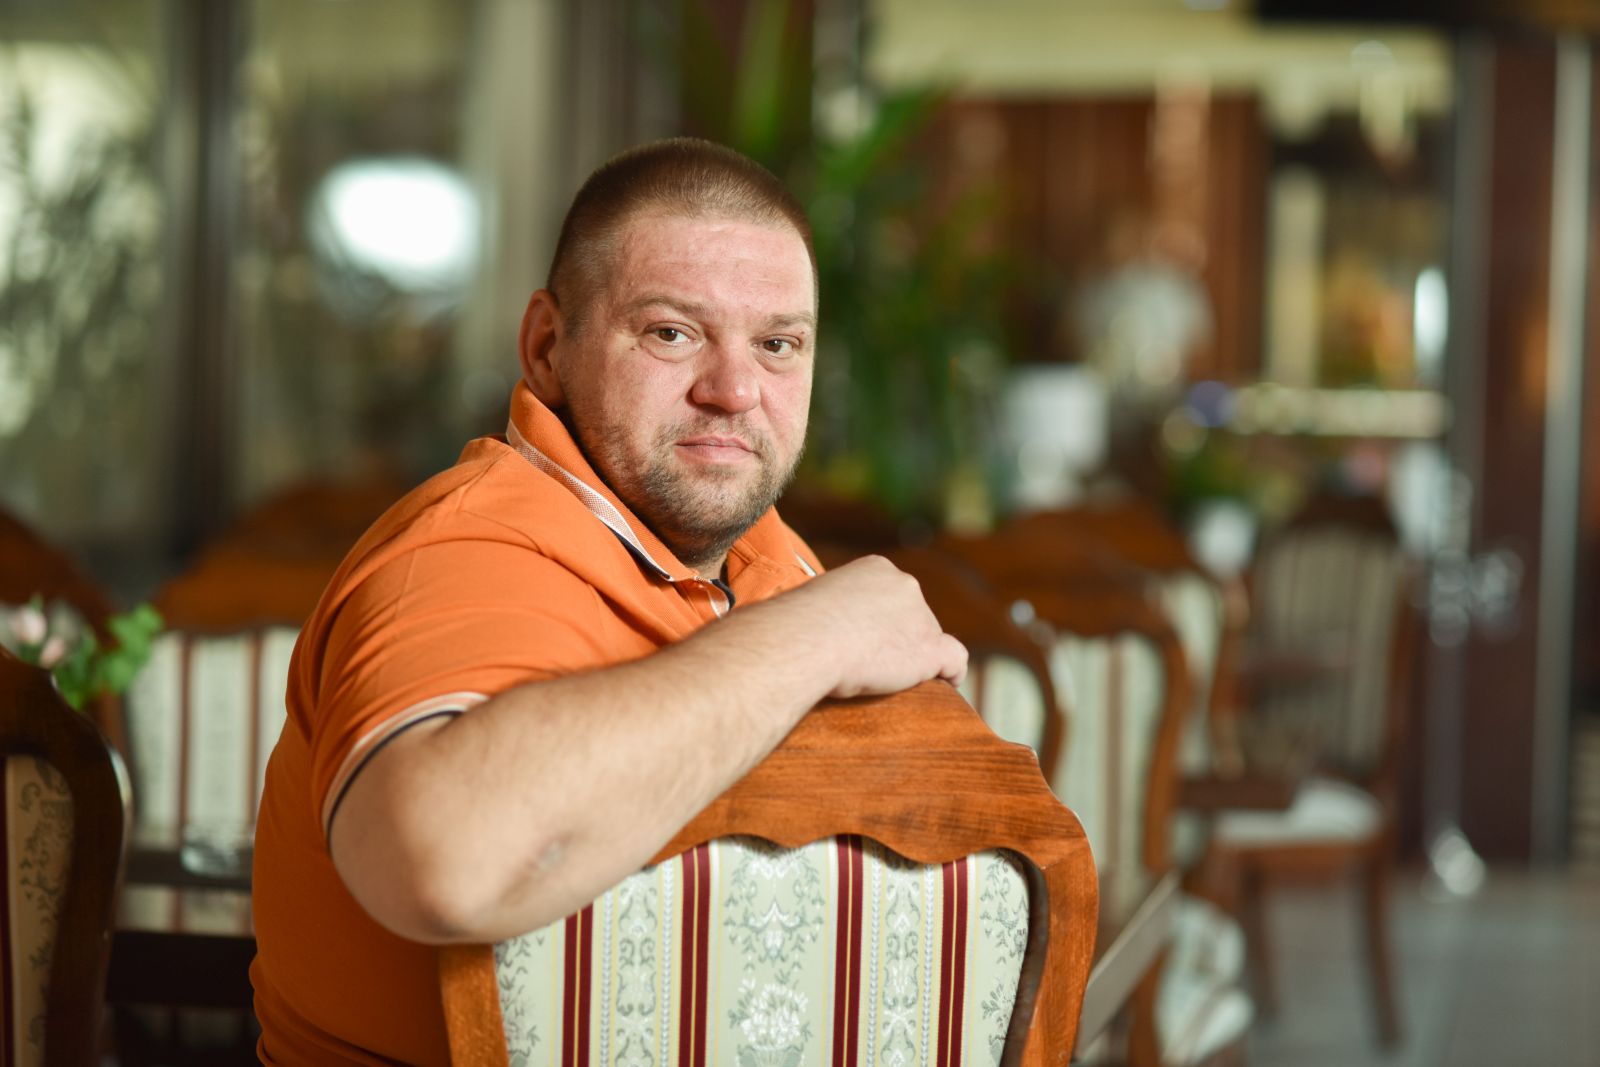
<point x="182" y="939"/>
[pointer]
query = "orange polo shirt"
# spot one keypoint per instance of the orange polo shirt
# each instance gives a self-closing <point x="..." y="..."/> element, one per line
<point x="514" y="565"/>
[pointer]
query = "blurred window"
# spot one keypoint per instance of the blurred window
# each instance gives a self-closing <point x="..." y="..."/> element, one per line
<point x="83" y="250"/>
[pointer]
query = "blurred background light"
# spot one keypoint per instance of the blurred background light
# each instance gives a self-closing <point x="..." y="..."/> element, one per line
<point x="409" y="222"/>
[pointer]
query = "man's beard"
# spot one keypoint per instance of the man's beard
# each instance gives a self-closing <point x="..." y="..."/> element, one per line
<point x="700" y="511"/>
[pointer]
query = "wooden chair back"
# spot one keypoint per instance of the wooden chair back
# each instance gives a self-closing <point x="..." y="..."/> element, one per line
<point x="1004" y="658"/>
<point x="1209" y="612"/>
<point x="62" y="834"/>
<point x="1123" y="675"/>
<point x="921" y="775"/>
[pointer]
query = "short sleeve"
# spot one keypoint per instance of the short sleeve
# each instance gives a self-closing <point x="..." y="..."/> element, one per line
<point x="434" y="632"/>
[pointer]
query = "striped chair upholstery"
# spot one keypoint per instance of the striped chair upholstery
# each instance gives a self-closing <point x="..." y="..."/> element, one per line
<point x="1193" y="603"/>
<point x="36" y="841"/>
<point x="1333" y="591"/>
<point x="1116" y="688"/>
<point x="742" y="952"/>
<point x="203" y="716"/>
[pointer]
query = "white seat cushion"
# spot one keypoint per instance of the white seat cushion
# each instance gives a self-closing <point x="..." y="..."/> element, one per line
<point x="1197" y="1017"/>
<point x="1324" y="811"/>
<point x="1206" y="941"/>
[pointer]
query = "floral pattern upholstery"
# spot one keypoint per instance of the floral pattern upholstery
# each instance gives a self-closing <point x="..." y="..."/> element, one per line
<point x="743" y="952"/>
<point x="36" y="842"/>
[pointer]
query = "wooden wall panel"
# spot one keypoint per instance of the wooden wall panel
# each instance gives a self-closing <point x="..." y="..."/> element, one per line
<point x="1071" y="171"/>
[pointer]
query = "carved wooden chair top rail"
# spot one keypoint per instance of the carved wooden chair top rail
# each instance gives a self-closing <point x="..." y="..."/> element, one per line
<point x="922" y="775"/>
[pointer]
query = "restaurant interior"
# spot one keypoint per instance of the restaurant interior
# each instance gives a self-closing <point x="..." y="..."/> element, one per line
<point x="1223" y="369"/>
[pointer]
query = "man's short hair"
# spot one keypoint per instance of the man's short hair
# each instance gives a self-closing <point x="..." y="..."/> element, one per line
<point x="680" y="176"/>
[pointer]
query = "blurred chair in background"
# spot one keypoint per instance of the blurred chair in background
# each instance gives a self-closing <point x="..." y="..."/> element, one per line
<point x="1327" y="676"/>
<point x="1008" y="677"/>
<point x="792" y="897"/>
<point x="203" y="717"/>
<point x="1120" y="667"/>
<point x="62" y="835"/>
<point x="1207" y="957"/>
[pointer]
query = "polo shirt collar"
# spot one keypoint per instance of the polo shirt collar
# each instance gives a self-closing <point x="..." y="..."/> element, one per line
<point x="540" y="436"/>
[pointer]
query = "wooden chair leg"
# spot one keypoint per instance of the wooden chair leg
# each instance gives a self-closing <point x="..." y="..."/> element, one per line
<point x="1258" y="948"/>
<point x="1380" y="963"/>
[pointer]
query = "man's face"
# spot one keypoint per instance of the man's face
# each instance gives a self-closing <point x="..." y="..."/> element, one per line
<point x="689" y="384"/>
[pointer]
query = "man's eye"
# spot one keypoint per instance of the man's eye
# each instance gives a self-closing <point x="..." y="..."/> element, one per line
<point x="670" y="334"/>
<point x="779" y="346"/>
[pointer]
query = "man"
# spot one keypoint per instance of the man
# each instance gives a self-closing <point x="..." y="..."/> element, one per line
<point x="541" y="663"/>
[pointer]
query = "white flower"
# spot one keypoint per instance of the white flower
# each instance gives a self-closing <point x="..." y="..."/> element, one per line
<point x="28" y="623"/>
<point x="55" y="649"/>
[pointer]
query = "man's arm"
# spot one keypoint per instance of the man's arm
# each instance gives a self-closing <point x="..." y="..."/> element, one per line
<point x="500" y="821"/>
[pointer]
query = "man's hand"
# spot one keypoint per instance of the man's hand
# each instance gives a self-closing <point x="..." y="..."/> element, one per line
<point x="875" y="629"/>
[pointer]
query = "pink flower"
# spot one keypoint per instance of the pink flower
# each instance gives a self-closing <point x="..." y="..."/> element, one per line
<point x="29" y="624"/>
<point x="53" y="652"/>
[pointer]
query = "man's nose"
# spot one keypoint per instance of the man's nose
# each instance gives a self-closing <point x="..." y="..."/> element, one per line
<point x="727" y="378"/>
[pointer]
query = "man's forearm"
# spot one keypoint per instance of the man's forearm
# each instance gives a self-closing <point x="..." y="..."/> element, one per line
<point x="529" y="806"/>
<point x="532" y="804"/>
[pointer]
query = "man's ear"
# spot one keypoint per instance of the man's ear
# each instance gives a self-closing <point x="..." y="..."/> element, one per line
<point x="542" y="329"/>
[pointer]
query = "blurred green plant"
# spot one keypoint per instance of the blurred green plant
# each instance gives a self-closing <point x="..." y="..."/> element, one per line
<point x="83" y="669"/>
<point x="911" y="356"/>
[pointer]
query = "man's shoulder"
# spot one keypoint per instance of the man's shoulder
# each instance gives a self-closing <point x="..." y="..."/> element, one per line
<point x="489" y="493"/>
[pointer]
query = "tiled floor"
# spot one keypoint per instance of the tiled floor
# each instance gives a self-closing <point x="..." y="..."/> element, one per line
<point x="1509" y="977"/>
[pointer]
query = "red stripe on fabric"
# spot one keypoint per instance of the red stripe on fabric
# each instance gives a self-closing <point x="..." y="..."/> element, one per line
<point x="841" y="954"/>
<point x="8" y="1026"/>
<point x="857" y="898"/>
<point x="185" y="698"/>
<point x="585" y="981"/>
<point x="958" y="984"/>
<point x="569" y="993"/>
<point x="691" y="915"/>
<point x="946" y="936"/>
<point x="252" y="795"/>
<point x="1114" y="727"/>
<point x="702" y="954"/>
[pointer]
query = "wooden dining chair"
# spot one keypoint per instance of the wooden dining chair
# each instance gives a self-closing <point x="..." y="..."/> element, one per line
<point x="1008" y="677"/>
<point x="1209" y="612"/>
<point x="31" y="566"/>
<point x="1202" y="1011"/>
<point x="1123" y="674"/>
<point x="62" y="833"/>
<point x="894" y="883"/>
<point x="1333" y="588"/>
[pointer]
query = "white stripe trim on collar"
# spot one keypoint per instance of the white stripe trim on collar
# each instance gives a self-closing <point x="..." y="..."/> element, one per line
<point x="598" y="506"/>
<point x="606" y="512"/>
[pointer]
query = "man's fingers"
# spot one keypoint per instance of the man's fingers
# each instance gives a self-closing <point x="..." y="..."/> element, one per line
<point x="953" y="659"/>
